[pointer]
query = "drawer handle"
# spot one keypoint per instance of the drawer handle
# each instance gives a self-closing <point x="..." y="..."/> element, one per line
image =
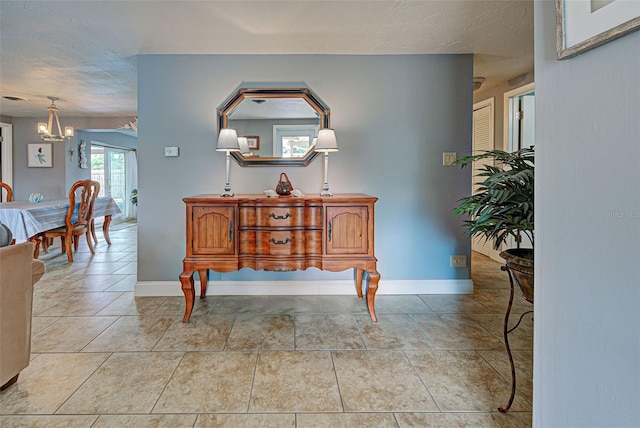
<point x="286" y="241"/>
<point x="280" y="217"/>
<point x="231" y="231"/>
<point x="330" y="230"/>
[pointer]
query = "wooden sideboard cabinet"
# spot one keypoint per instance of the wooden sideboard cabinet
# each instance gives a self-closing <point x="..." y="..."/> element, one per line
<point x="225" y="234"/>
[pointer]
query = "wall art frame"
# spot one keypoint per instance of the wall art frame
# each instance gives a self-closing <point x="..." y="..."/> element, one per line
<point x="582" y="25"/>
<point x="254" y="143"/>
<point x="40" y="155"/>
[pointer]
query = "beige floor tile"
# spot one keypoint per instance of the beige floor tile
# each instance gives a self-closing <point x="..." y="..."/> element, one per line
<point x="345" y="420"/>
<point x="326" y="331"/>
<point x="454" y="304"/>
<point x="293" y="305"/>
<point x="497" y="300"/>
<point x="130" y="333"/>
<point x="295" y="381"/>
<point x="66" y="336"/>
<point x="47" y="382"/>
<point x="523" y="360"/>
<point x="447" y="420"/>
<point x="201" y="333"/>
<point x="514" y="419"/>
<point x="145" y="421"/>
<point x="209" y="382"/>
<point x="105" y="268"/>
<point x="39" y="323"/>
<point x="126" y="284"/>
<point x="129" y="257"/>
<point x="463" y="381"/>
<point x="43" y="301"/>
<point x="247" y="421"/>
<point x="63" y="421"/>
<point x="404" y="304"/>
<point x="92" y="283"/>
<point x="342" y="304"/>
<point x="380" y="381"/>
<point x="130" y="269"/>
<point x="520" y="338"/>
<point x="125" y="383"/>
<point x="82" y="304"/>
<point x="456" y="331"/>
<point x="112" y="256"/>
<point x="239" y="304"/>
<point x="256" y="332"/>
<point x="397" y="331"/>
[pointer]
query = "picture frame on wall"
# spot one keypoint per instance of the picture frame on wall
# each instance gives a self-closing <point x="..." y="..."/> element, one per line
<point x="254" y="143"/>
<point x="40" y="155"/>
<point x="582" y="25"/>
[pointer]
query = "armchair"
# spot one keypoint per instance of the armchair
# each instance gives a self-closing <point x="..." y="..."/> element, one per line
<point x="18" y="274"/>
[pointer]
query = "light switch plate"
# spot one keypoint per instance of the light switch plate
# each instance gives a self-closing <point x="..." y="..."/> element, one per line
<point x="458" y="261"/>
<point x="171" y="151"/>
<point x="448" y="158"/>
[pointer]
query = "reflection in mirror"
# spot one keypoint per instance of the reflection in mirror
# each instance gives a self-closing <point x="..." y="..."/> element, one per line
<point x="281" y="124"/>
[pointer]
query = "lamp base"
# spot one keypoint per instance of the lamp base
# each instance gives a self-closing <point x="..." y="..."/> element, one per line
<point x="226" y="193"/>
<point x="326" y="193"/>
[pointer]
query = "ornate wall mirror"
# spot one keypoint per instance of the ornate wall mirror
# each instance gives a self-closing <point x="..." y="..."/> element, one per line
<point x="279" y="124"/>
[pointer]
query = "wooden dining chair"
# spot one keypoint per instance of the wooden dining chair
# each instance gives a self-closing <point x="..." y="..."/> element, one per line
<point x="6" y="187"/>
<point x="82" y="197"/>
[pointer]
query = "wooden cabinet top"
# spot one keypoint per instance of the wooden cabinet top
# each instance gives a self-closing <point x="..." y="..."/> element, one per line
<point x="262" y="199"/>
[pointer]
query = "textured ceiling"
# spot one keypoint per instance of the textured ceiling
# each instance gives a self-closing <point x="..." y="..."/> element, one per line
<point x="84" y="52"/>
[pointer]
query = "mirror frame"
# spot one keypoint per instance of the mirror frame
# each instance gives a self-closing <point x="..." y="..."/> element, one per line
<point x="248" y="93"/>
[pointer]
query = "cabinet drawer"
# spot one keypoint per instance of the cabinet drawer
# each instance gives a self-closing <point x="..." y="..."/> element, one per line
<point x="280" y="216"/>
<point x="283" y="243"/>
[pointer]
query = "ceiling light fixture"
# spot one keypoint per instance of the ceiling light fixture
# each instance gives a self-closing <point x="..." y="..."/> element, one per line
<point x="477" y="82"/>
<point x="46" y="129"/>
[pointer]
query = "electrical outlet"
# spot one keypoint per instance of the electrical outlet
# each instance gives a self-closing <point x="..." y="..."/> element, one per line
<point x="171" y="151"/>
<point x="458" y="261"/>
<point x="448" y="158"/>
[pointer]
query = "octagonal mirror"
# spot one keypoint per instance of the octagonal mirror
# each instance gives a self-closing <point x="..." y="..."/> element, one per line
<point x="279" y="124"/>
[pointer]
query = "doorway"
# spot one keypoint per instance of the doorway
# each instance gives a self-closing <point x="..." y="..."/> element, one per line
<point x="108" y="167"/>
<point x="482" y="140"/>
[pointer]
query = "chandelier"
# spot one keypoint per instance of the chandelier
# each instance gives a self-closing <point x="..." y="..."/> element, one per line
<point x="46" y="130"/>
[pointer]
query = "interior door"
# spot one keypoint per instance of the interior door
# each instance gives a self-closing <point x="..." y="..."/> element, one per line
<point x="482" y="140"/>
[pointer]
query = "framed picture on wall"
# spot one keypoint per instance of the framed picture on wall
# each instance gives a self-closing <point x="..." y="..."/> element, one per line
<point x="582" y="25"/>
<point x="40" y="155"/>
<point x="254" y="143"/>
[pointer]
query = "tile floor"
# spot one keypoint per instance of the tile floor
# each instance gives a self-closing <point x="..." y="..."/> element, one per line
<point x="104" y="358"/>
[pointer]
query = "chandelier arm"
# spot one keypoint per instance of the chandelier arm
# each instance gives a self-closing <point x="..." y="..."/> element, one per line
<point x="58" y="123"/>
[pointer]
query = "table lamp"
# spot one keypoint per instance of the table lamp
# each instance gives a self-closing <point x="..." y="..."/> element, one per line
<point x="227" y="142"/>
<point x="326" y="142"/>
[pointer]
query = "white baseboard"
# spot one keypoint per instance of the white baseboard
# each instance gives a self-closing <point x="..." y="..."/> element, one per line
<point x="290" y="288"/>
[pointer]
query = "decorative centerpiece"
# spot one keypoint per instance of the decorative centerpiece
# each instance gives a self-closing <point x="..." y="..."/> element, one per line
<point x="34" y="198"/>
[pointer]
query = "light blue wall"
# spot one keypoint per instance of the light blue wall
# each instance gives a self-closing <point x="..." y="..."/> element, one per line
<point x="587" y="309"/>
<point x="52" y="182"/>
<point x="393" y="116"/>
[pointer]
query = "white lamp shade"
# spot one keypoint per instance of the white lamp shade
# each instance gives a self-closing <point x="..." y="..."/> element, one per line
<point x="228" y="140"/>
<point x="42" y="128"/>
<point x="68" y="131"/>
<point x="244" y="144"/>
<point x="326" y="141"/>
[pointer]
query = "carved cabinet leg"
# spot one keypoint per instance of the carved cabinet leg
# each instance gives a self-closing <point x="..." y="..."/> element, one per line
<point x="374" y="277"/>
<point x="186" y="279"/>
<point x="203" y="283"/>
<point x="359" y="274"/>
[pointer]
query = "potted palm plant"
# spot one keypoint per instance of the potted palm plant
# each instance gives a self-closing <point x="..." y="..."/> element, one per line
<point x="502" y="207"/>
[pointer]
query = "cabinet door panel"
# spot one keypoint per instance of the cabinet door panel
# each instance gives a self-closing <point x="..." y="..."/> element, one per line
<point x="347" y="231"/>
<point x="213" y="230"/>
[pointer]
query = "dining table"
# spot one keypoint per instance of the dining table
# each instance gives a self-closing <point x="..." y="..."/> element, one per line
<point x="27" y="220"/>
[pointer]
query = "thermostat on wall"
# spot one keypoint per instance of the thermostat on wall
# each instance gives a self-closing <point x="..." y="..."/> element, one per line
<point x="171" y="151"/>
